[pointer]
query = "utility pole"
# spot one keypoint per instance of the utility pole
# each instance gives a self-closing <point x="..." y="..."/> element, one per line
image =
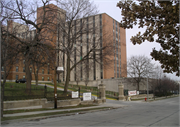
<point x="58" y="50"/>
<point x="55" y="69"/>
<point x="147" y="89"/>
<point x="55" y="89"/>
<point x="147" y="84"/>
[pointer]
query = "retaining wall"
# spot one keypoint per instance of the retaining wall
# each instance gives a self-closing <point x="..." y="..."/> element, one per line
<point x="112" y="84"/>
<point x="24" y="103"/>
<point x="47" y="104"/>
<point x="62" y="103"/>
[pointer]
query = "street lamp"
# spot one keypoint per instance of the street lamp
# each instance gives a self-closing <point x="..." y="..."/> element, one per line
<point x="58" y="70"/>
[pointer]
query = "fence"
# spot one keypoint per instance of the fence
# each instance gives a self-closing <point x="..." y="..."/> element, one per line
<point x="112" y="94"/>
<point x="34" y="93"/>
<point x="125" y="92"/>
<point x="145" y="91"/>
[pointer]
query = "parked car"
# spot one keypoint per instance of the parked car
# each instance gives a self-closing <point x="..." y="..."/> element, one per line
<point x="23" y="80"/>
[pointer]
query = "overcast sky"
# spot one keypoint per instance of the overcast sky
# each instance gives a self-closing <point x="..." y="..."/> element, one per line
<point x="109" y="7"/>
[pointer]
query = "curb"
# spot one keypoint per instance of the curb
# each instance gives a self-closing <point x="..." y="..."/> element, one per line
<point x="53" y="116"/>
<point x="69" y="114"/>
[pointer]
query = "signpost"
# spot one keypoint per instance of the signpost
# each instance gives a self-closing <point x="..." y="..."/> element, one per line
<point x="131" y="93"/>
<point x="56" y="71"/>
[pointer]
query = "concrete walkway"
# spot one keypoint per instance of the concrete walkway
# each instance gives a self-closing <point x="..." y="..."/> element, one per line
<point x="61" y="110"/>
<point x="58" y="88"/>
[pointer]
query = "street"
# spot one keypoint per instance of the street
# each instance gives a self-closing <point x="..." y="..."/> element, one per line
<point x="157" y="113"/>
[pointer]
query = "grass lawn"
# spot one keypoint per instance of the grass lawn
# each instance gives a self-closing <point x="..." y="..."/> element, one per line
<point x="17" y="91"/>
<point x="83" y="89"/>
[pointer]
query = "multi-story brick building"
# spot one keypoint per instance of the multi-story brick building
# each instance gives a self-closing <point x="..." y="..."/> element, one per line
<point x="107" y="29"/>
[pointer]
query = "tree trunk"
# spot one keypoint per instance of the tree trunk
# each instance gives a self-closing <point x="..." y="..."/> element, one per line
<point x="36" y="80"/>
<point x="36" y="77"/>
<point x="35" y="73"/>
<point x="67" y="75"/>
<point x="28" y="75"/>
<point x="138" y="86"/>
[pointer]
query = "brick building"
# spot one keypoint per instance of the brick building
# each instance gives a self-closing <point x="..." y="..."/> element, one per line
<point x="107" y="28"/>
<point x="105" y="24"/>
<point x="18" y="67"/>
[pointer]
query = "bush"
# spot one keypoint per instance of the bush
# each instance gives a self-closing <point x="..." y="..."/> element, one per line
<point x="161" y="94"/>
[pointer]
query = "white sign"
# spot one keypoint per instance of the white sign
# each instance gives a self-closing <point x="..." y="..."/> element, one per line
<point x="137" y="92"/>
<point x="86" y="96"/>
<point x="60" y="69"/>
<point x="75" y="94"/>
<point x="130" y="93"/>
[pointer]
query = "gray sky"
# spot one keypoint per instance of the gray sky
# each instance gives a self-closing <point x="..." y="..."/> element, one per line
<point x="109" y="7"/>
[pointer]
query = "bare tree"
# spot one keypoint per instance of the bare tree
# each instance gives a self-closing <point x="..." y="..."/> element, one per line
<point x="78" y="74"/>
<point x="40" y="61"/>
<point x="163" y="86"/>
<point x="32" y="33"/>
<point x="8" y="58"/>
<point x="76" y="29"/>
<point x="155" y="83"/>
<point x="69" y="21"/>
<point x="139" y="67"/>
<point x="87" y="67"/>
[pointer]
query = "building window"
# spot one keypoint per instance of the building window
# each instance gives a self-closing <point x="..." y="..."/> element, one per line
<point x="23" y="61"/>
<point x="24" y="76"/>
<point x="42" y="71"/>
<point x="48" y="78"/>
<point x="48" y="71"/>
<point x="23" y="69"/>
<point x="42" y="78"/>
<point x="94" y="77"/>
<point x="17" y="61"/>
<point x="36" y="70"/>
<point x="100" y="18"/>
<point x="2" y="76"/>
<point x="16" y="77"/>
<point x="17" y="69"/>
<point x="2" y="68"/>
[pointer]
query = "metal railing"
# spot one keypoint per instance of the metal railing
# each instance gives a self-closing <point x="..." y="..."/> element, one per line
<point x="34" y="93"/>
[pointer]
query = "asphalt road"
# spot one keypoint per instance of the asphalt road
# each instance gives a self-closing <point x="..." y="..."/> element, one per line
<point x="158" y="113"/>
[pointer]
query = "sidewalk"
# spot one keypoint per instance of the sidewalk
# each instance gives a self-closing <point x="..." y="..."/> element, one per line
<point x="61" y="110"/>
<point x="58" y="110"/>
<point x="160" y="98"/>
